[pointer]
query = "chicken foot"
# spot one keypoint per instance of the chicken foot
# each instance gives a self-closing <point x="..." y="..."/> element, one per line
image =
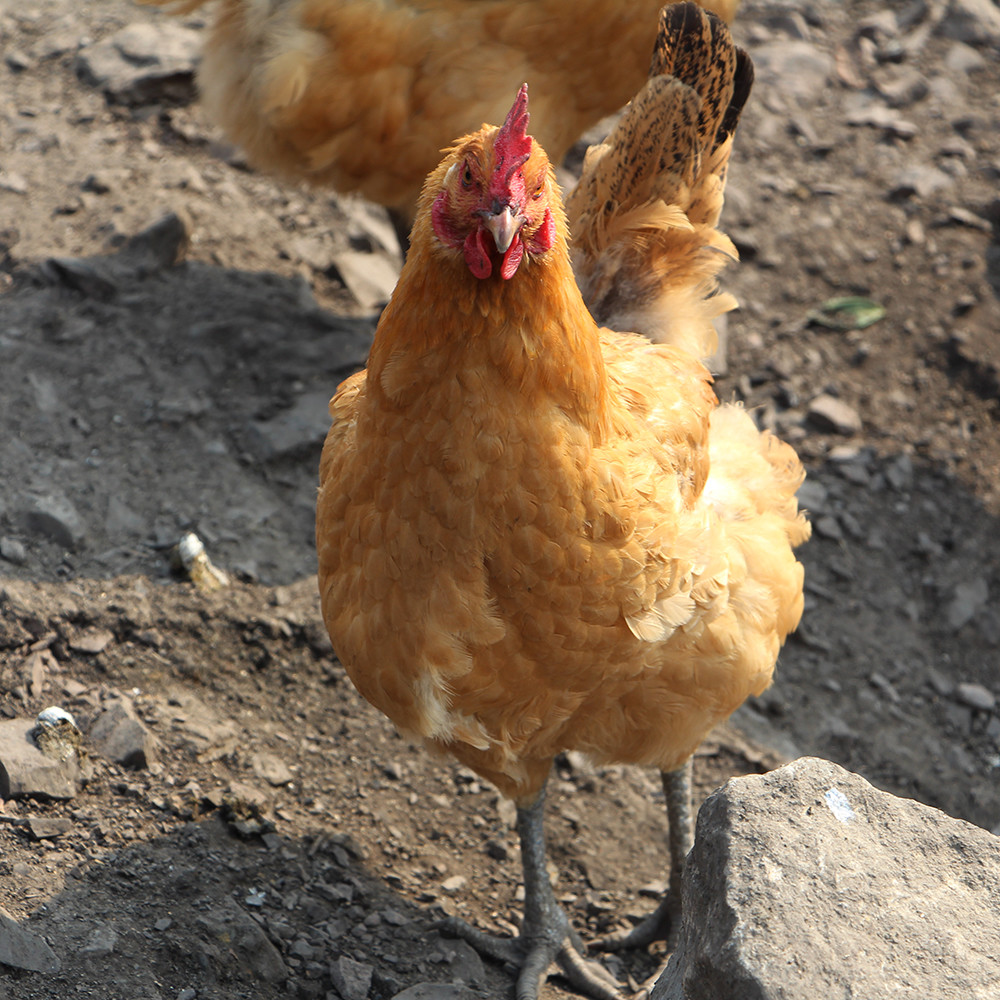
<point x="547" y="936"/>
<point x="663" y="924"/>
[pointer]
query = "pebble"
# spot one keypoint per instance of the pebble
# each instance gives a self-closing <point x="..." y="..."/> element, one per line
<point x="100" y="942"/>
<point x="271" y="768"/>
<point x="370" y="278"/>
<point x="13" y="551"/>
<point x="968" y="599"/>
<point x="975" y="696"/>
<point x="93" y="641"/>
<point x="352" y="979"/>
<point x="793" y="68"/>
<point x="143" y="63"/>
<point x="54" y="516"/>
<point x="118" y="734"/>
<point x="832" y="414"/>
<point x="975" y="22"/>
<point x="920" y="180"/>
<point x="293" y="432"/>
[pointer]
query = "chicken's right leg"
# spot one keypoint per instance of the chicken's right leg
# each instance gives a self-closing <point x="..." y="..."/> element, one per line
<point x="546" y="934"/>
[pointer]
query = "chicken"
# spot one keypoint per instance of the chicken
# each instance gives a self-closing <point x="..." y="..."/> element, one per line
<point x="361" y="95"/>
<point x="535" y="534"/>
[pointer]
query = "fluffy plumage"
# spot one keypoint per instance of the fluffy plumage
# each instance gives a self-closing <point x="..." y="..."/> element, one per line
<point x="537" y="535"/>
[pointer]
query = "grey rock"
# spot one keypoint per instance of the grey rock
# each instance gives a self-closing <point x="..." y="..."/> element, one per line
<point x="143" y="63"/>
<point x="294" y="432"/>
<point x="437" y="991"/>
<point x="21" y="949"/>
<point x="962" y="58"/>
<point x="100" y="942"/>
<point x="976" y="696"/>
<point x="43" y="828"/>
<point x="861" y="111"/>
<point x="271" y="768"/>
<point x="54" y="516"/>
<point x="13" y="551"/>
<point x="903" y="87"/>
<point x="813" y="496"/>
<point x="803" y="882"/>
<point x="25" y="770"/>
<point x="92" y="641"/>
<point x="832" y="414"/>
<point x="919" y="180"/>
<point x="352" y="979"/>
<point x="975" y="22"/>
<point x="827" y="526"/>
<point x="794" y="68"/>
<point x="968" y="599"/>
<point x="899" y="472"/>
<point x="369" y="277"/>
<point x="239" y="935"/>
<point x="118" y="734"/>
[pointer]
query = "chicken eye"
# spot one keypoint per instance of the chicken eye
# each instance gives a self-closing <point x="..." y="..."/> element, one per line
<point x="466" y="176"/>
<point x="538" y="191"/>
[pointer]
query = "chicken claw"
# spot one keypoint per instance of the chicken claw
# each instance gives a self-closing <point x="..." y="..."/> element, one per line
<point x="547" y="936"/>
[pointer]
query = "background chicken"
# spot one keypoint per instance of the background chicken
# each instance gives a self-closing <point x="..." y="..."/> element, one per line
<point x="362" y="94"/>
<point x="535" y="534"/>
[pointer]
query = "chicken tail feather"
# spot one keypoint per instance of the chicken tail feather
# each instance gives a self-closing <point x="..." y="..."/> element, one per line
<point x="647" y="252"/>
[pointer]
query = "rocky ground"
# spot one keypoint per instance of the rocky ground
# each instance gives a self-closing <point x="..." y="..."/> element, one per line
<point x="276" y="837"/>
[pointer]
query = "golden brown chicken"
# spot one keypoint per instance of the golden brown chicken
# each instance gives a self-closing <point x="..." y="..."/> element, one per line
<point x="362" y="94"/>
<point x="535" y="534"/>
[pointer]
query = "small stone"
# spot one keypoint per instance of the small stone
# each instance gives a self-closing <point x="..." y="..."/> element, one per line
<point x="53" y="515"/>
<point x="48" y="829"/>
<point x="454" y="883"/>
<point x="918" y="180"/>
<point x="143" y="63"/>
<point x="271" y="768"/>
<point x="26" y="771"/>
<point x="352" y="979"/>
<point x="968" y="599"/>
<point x="294" y="432"/>
<point x="833" y="414"/>
<point x="976" y="696"/>
<point x="163" y="924"/>
<point x="118" y="734"/>
<point x="370" y="278"/>
<point x="100" y="942"/>
<point x="13" y="551"/>
<point x="14" y="183"/>
<point x="93" y="641"/>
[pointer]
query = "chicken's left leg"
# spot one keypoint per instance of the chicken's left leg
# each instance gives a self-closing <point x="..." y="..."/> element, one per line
<point x="546" y="933"/>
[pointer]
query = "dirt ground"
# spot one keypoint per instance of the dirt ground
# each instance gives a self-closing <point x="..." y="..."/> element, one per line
<point x="284" y="841"/>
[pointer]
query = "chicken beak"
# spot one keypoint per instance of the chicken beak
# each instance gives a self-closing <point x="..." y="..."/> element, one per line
<point x="503" y="226"/>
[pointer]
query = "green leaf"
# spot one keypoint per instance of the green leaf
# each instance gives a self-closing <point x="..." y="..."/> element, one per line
<point x="849" y="313"/>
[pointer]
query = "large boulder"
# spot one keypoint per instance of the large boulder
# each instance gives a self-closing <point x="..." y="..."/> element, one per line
<point x="808" y="882"/>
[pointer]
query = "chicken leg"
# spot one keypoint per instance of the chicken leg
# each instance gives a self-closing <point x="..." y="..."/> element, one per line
<point x="546" y="934"/>
<point x="663" y="924"/>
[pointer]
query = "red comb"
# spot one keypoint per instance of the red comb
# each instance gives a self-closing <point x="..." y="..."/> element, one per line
<point x="512" y="145"/>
